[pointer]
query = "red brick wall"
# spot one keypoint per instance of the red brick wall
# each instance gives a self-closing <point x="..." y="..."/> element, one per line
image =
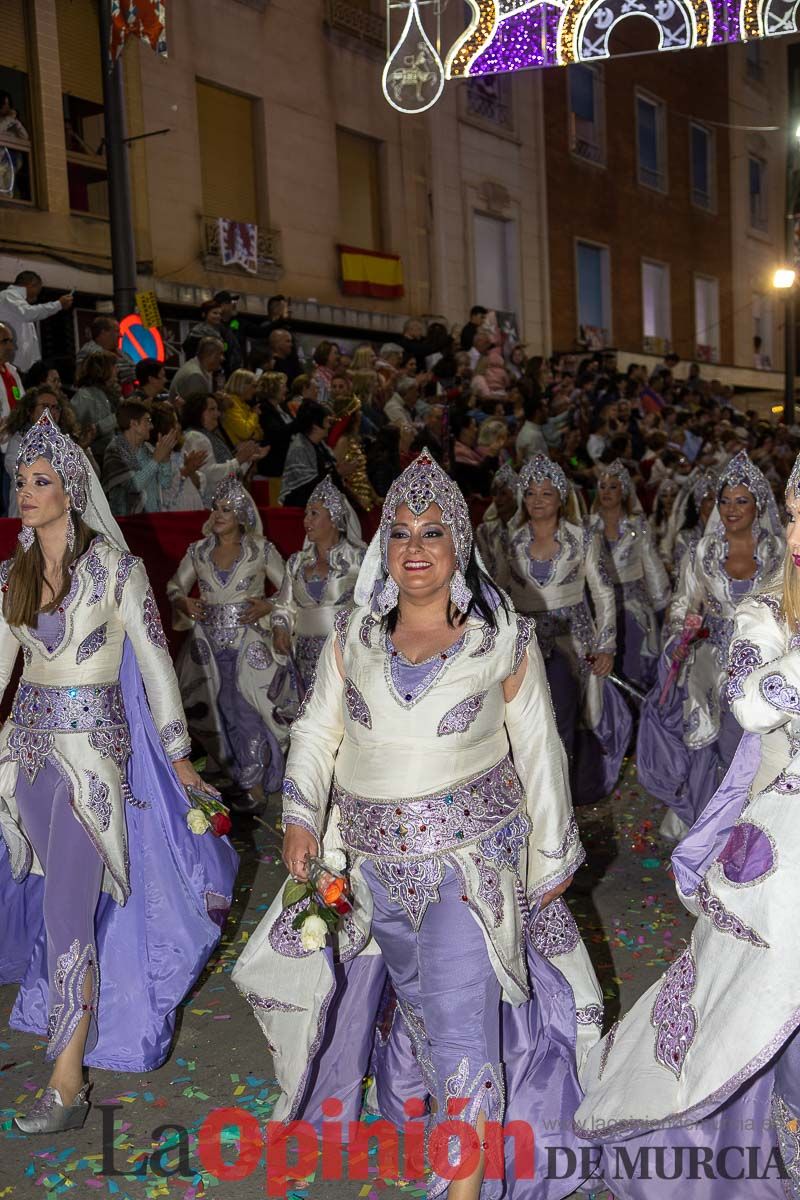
<point x="608" y="205"/>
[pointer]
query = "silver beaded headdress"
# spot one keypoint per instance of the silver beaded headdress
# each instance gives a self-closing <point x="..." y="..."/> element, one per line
<point x="230" y="491"/>
<point x="740" y="470"/>
<point x="328" y="495"/>
<point x="618" y="470"/>
<point x="707" y="485"/>
<point x="541" y="469"/>
<point x="793" y="482"/>
<point x="505" y="477"/>
<point x="45" y="440"/>
<point x="422" y="484"/>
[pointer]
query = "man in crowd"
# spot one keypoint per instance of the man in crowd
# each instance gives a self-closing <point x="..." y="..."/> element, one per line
<point x="21" y="312"/>
<point x="229" y="330"/>
<point x="477" y="315"/>
<point x="105" y="336"/>
<point x="197" y="375"/>
<point x="401" y="408"/>
<point x="284" y="355"/>
<point x="10" y="392"/>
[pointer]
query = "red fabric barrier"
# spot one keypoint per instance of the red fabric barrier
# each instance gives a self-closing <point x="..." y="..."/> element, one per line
<point x="161" y="539"/>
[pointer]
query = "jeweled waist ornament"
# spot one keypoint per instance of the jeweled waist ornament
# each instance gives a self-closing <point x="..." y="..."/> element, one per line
<point x="420" y="827"/>
<point x="76" y="709"/>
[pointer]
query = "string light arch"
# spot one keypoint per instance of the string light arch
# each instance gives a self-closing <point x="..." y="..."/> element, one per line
<point x="504" y="36"/>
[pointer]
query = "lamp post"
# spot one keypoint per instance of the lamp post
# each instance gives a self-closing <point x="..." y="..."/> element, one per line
<point x="783" y="281"/>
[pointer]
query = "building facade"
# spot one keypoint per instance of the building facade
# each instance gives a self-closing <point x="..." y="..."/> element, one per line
<point x="665" y="204"/>
<point x="270" y="113"/>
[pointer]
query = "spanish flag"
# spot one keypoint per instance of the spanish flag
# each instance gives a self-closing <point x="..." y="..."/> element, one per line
<point x="368" y="273"/>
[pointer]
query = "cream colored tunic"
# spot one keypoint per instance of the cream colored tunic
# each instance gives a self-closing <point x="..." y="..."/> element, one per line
<point x="728" y="1003"/>
<point x="110" y="598"/>
<point x="373" y="743"/>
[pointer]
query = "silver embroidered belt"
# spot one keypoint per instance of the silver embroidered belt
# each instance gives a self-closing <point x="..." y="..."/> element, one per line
<point x="405" y="830"/>
<point x="77" y="709"/>
<point x="224" y="616"/>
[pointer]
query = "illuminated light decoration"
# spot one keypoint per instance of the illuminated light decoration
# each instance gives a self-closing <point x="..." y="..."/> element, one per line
<point x="413" y="78"/>
<point x="512" y="35"/>
<point x="137" y="341"/>
<point x="586" y="28"/>
<point x="768" y="18"/>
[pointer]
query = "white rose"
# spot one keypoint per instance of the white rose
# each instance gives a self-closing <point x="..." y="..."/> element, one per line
<point x="336" y="860"/>
<point x="313" y="933"/>
<point x="197" y="820"/>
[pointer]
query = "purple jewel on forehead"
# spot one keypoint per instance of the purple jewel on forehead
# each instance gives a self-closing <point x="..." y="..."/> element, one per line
<point x="741" y="471"/>
<point x="328" y="495"/>
<point x="230" y="491"/>
<point x="422" y="484"/>
<point x="541" y="469"/>
<point x="45" y="440"/>
<point x="618" y="470"/>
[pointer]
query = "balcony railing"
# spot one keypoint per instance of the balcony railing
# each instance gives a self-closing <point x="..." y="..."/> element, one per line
<point x="357" y="22"/>
<point x="270" y="257"/>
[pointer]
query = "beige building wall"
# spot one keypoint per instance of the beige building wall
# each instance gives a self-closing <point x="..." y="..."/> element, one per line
<point x="306" y="71"/>
<point x="758" y="91"/>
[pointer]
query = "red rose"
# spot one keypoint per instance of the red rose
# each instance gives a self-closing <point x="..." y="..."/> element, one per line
<point x="220" y="824"/>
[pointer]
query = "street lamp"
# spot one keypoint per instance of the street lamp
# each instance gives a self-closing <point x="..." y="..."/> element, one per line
<point x="783" y="281"/>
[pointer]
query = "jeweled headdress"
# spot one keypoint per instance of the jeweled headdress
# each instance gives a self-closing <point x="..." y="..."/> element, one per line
<point x="328" y="495"/>
<point x="617" y="470"/>
<point x="505" y="477"/>
<point x="230" y="491"/>
<point x="740" y="470"/>
<point x="45" y="440"/>
<point x="541" y="469"/>
<point x="422" y="484"/>
<point x="793" y="482"/>
<point x="707" y="485"/>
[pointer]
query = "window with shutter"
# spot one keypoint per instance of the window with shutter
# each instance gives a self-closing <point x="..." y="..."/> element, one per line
<point x="360" y="207"/>
<point x="16" y="159"/>
<point x="82" y="89"/>
<point x="226" y="131"/>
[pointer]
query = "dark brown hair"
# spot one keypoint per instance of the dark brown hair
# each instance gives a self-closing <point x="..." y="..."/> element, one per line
<point x="131" y="410"/>
<point x="23" y="600"/>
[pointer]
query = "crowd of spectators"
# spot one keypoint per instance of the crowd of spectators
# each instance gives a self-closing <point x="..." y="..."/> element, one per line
<point x="260" y="406"/>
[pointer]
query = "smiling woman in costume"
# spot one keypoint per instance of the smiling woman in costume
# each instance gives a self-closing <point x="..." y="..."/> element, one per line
<point x="230" y="681"/>
<point x="319" y="579"/>
<point x="687" y="733"/>
<point x="708" y="1060"/>
<point x="552" y="560"/>
<point x="427" y="751"/>
<point x="96" y="858"/>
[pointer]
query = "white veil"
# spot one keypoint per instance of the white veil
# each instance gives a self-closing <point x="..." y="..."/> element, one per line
<point x="97" y="514"/>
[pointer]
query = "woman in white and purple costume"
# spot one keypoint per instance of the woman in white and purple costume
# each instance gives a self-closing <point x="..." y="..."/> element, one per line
<point x="709" y="1057"/>
<point x="641" y="584"/>
<point x="231" y="683"/>
<point x="428" y="754"/>
<point x="686" y="744"/>
<point x="319" y="580"/>
<point x="96" y="858"/>
<point x="551" y="562"/>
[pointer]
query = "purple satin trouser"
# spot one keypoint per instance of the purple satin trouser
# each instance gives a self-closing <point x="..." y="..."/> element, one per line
<point x="449" y="996"/>
<point x="73" y="874"/>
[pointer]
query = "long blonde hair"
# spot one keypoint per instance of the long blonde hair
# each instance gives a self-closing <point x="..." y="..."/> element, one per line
<point x="790" y="600"/>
